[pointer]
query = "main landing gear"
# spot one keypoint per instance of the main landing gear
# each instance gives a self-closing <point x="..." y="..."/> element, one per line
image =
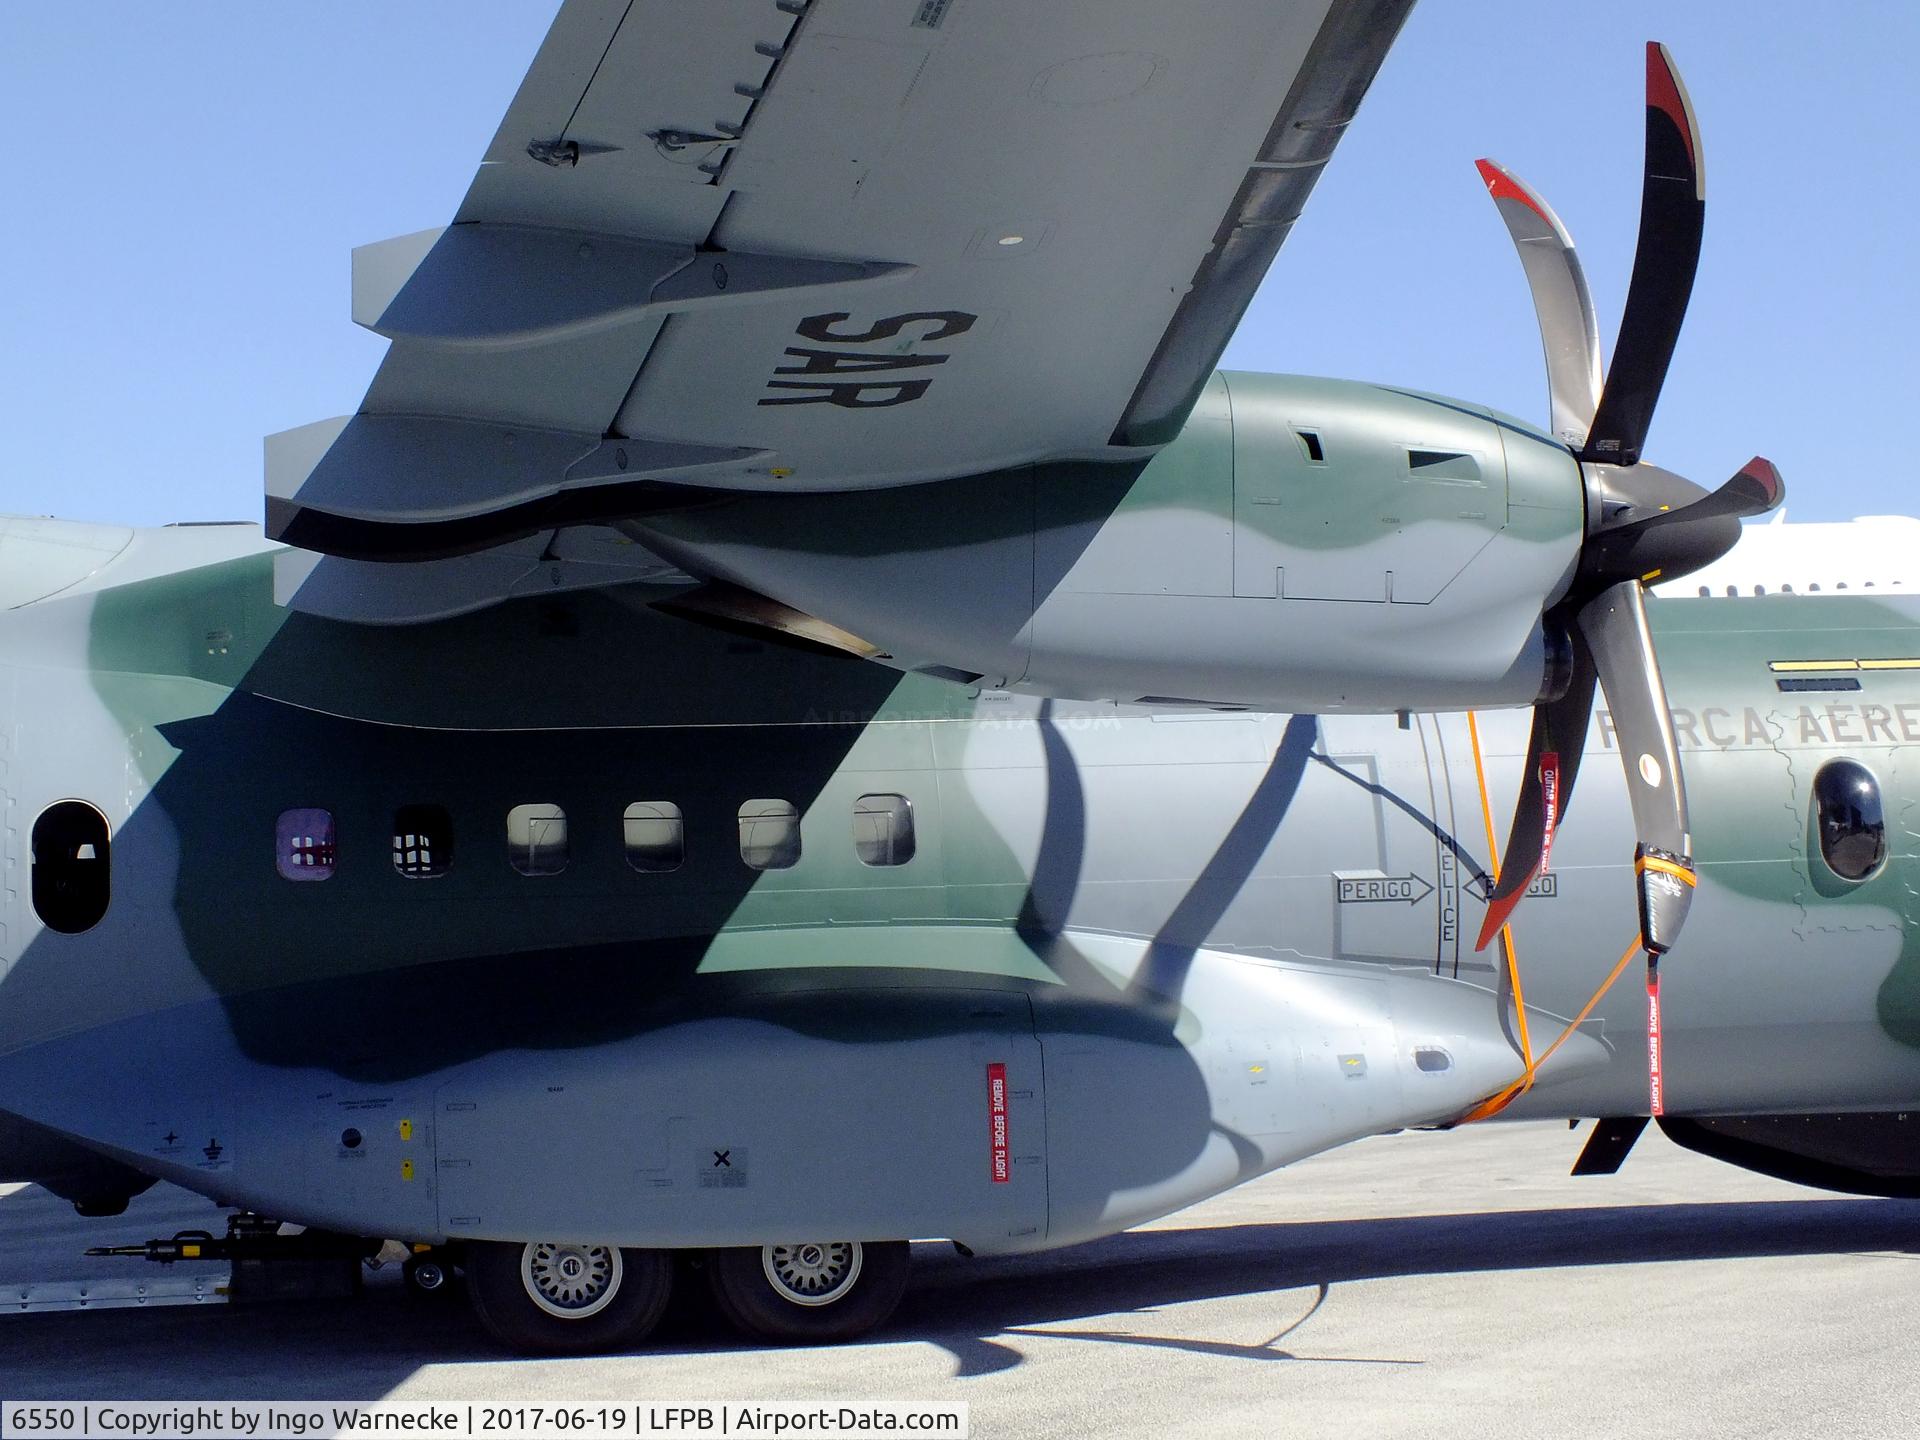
<point x="568" y="1297"/>
<point x="561" y="1297"/>
<point x="550" y="1297"/>
<point x="812" y="1292"/>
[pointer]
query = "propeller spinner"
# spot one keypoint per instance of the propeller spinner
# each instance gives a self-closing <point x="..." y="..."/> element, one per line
<point x="1643" y="523"/>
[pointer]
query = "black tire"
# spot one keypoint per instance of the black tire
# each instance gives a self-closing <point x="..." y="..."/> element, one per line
<point x="819" y="1302"/>
<point x="505" y="1282"/>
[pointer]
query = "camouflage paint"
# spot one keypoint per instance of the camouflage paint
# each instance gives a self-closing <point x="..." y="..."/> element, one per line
<point x="1103" y="861"/>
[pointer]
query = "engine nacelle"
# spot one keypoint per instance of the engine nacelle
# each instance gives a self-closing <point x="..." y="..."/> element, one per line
<point x="1304" y="545"/>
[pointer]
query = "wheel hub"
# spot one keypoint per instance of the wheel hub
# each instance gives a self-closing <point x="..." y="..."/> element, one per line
<point x="570" y="1281"/>
<point x="812" y="1272"/>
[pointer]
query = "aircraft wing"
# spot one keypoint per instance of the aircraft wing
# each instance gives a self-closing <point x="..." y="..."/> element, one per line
<point x="823" y="245"/>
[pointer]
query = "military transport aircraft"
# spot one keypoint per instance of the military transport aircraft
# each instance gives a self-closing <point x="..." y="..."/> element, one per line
<point x="803" y="714"/>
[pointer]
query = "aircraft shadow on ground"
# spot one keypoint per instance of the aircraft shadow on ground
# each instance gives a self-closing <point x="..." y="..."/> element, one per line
<point x="981" y="1311"/>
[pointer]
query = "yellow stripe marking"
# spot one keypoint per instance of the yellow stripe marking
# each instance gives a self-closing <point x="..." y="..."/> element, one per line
<point x="1890" y="662"/>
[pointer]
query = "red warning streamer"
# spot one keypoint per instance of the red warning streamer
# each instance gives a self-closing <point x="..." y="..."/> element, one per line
<point x="1550" y="805"/>
<point x="997" y="1121"/>
<point x="1656" y="1097"/>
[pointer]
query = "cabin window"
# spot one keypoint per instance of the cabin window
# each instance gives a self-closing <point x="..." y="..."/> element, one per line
<point x="656" y="835"/>
<point x="72" y="867"/>
<point x="422" y="841"/>
<point x="770" y="834"/>
<point x="1850" y="820"/>
<point x="537" y="839"/>
<point x="883" y="829"/>
<point x="303" y="845"/>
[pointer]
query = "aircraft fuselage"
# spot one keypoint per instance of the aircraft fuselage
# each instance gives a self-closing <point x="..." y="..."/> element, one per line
<point x="1015" y="972"/>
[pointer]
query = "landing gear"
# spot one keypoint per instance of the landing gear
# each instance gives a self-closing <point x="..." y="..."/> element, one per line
<point x="561" y="1298"/>
<point x="810" y="1292"/>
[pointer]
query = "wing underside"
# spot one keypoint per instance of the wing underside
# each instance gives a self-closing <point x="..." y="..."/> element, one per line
<point x="825" y="245"/>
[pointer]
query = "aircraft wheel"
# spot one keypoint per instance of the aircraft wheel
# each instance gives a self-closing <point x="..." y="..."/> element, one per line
<point x="551" y="1297"/>
<point x="810" y="1292"/>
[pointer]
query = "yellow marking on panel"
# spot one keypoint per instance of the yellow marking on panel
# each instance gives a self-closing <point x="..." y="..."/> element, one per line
<point x="406" y="1129"/>
<point x="406" y="1169"/>
<point x="1909" y="663"/>
<point x="1787" y="666"/>
<point x="189" y="1252"/>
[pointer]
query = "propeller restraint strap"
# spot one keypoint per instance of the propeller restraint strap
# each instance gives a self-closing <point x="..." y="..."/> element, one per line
<point x="1679" y="869"/>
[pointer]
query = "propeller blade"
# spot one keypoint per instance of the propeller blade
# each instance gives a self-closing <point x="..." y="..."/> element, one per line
<point x="1614" y="624"/>
<point x="1754" y="489"/>
<point x="1672" y="212"/>
<point x="1561" y="301"/>
<point x="1674" y="527"/>
<point x="1546" y="785"/>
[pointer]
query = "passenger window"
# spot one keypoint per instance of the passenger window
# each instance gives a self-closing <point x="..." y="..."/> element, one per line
<point x="537" y="839"/>
<point x="656" y="835"/>
<point x="883" y="829"/>
<point x="303" y="845"/>
<point x="422" y="841"/>
<point x="769" y="834"/>
<point x="72" y="867"/>
<point x="1852" y="825"/>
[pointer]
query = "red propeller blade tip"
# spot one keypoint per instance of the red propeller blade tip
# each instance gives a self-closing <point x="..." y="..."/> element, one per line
<point x="1499" y="911"/>
<point x="1668" y="94"/>
<point x="1502" y="185"/>
<point x="1765" y="474"/>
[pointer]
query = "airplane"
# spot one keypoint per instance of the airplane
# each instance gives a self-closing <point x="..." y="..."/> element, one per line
<point x="670" y="784"/>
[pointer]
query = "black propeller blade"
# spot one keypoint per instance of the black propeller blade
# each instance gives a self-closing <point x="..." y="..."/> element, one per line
<point x="1672" y="213"/>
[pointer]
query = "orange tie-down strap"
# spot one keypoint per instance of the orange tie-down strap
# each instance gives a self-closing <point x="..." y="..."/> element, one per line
<point x="1499" y="1101"/>
<point x="1685" y="873"/>
<point x="1506" y="931"/>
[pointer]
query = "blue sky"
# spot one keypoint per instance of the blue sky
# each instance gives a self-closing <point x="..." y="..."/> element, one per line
<point x="184" y="183"/>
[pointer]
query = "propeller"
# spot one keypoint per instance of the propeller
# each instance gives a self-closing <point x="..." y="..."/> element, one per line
<point x="1643" y="523"/>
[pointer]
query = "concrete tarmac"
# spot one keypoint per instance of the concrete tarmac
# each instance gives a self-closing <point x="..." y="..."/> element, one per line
<point x="1453" y="1284"/>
